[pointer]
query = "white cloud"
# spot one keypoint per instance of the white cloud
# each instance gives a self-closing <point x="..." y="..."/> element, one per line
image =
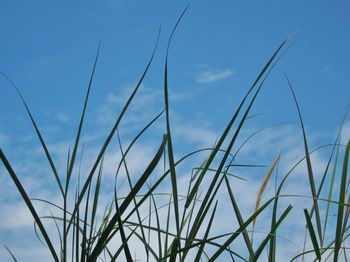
<point x="264" y="148"/>
<point x="3" y="138"/>
<point x="62" y="117"/>
<point x="143" y="106"/>
<point x="195" y="135"/>
<point x="214" y="75"/>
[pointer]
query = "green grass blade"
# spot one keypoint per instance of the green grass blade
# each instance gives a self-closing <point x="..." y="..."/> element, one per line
<point x="121" y="247"/>
<point x="272" y="250"/>
<point x="339" y="233"/>
<point x="65" y="232"/>
<point x="210" y="241"/>
<point x="101" y="242"/>
<point x="199" y="220"/>
<point x="158" y="226"/>
<point x="309" y="166"/>
<point x="122" y="232"/>
<point x="76" y="226"/>
<point x="29" y="204"/>
<point x="77" y="139"/>
<point x="129" y="179"/>
<point x="114" y="129"/>
<point x="73" y="242"/>
<point x="347" y="211"/>
<point x="222" y="172"/>
<point x="239" y="231"/>
<point x="261" y="247"/>
<point x="145" y="176"/>
<point x="170" y="145"/>
<point x="95" y="205"/>
<point x="337" y="140"/>
<point x="201" y="248"/>
<point x="58" y="229"/>
<point x="312" y="234"/>
<point x="233" y="119"/>
<point x="136" y="138"/>
<point x="239" y="218"/>
<point x="85" y="223"/>
<point x="11" y="254"/>
<point x="47" y="153"/>
<point x="330" y="192"/>
<point x="154" y="254"/>
<point x="232" y="142"/>
<point x="251" y="136"/>
<point x="167" y="227"/>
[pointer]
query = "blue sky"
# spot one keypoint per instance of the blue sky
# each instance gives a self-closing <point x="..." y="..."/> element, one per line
<point x="48" y="47"/>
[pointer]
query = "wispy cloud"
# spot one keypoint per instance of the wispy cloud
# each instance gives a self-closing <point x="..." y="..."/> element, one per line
<point x="196" y="135"/>
<point x="3" y="138"/>
<point x="260" y="150"/>
<point x="144" y="105"/>
<point x="62" y="117"/>
<point x="214" y="75"/>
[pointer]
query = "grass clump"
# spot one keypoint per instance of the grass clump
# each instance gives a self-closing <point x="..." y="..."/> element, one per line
<point x="182" y="228"/>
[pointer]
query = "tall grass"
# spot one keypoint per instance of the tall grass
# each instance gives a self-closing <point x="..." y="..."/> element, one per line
<point x="182" y="228"/>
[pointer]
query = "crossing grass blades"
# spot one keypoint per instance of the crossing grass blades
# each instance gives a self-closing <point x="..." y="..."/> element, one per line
<point x="83" y="237"/>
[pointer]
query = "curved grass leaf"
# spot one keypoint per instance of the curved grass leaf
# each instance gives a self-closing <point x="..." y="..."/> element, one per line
<point x="129" y="179"/>
<point x="239" y="218"/>
<point x="201" y="248"/>
<point x="261" y="247"/>
<point x="233" y="119"/>
<point x="312" y="234"/>
<point x="113" y="130"/>
<point x="170" y="145"/>
<point x="309" y="166"/>
<point x="29" y="204"/>
<point x="77" y="139"/>
<point x="339" y="233"/>
<point x="233" y="140"/>
<point x="11" y="254"/>
<point x="239" y="231"/>
<point x="101" y="242"/>
<point x="47" y="153"/>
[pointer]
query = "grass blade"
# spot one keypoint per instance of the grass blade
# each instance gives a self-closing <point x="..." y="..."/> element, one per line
<point x="136" y="138"/>
<point x="76" y="143"/>
<point x="158" y="226"/>
<point x="114" y="129"/>
<point x="261" y="247"/>
<point x="339" y="233"/>
<point x="84" y="232"/>
<point x="239" y="231"/>
<point x="330" y="192"/>
<point x="312" y="234"/>
<point x="47" y="153"/>
<point x="228" y="127"/>
<point x="240" y="219"/>
<point x="101" y="242"/>
<point x="29" y="205"/>
<point x="129" y="181"/>
<point x="11" y="254"/>
<point x="232" y="142"/>
<point x="201" y="248"/>
<point x="122" y="232"/>
<point x="170" y="145"/>
<point x="309" y="166"/>
<point x="94" y="206"/>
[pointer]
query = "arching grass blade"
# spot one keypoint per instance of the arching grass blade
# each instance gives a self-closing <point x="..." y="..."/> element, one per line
<point x="29" y="205"/>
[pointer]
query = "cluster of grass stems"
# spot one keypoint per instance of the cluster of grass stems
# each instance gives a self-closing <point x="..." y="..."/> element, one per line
<point x="83" y="237"/>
